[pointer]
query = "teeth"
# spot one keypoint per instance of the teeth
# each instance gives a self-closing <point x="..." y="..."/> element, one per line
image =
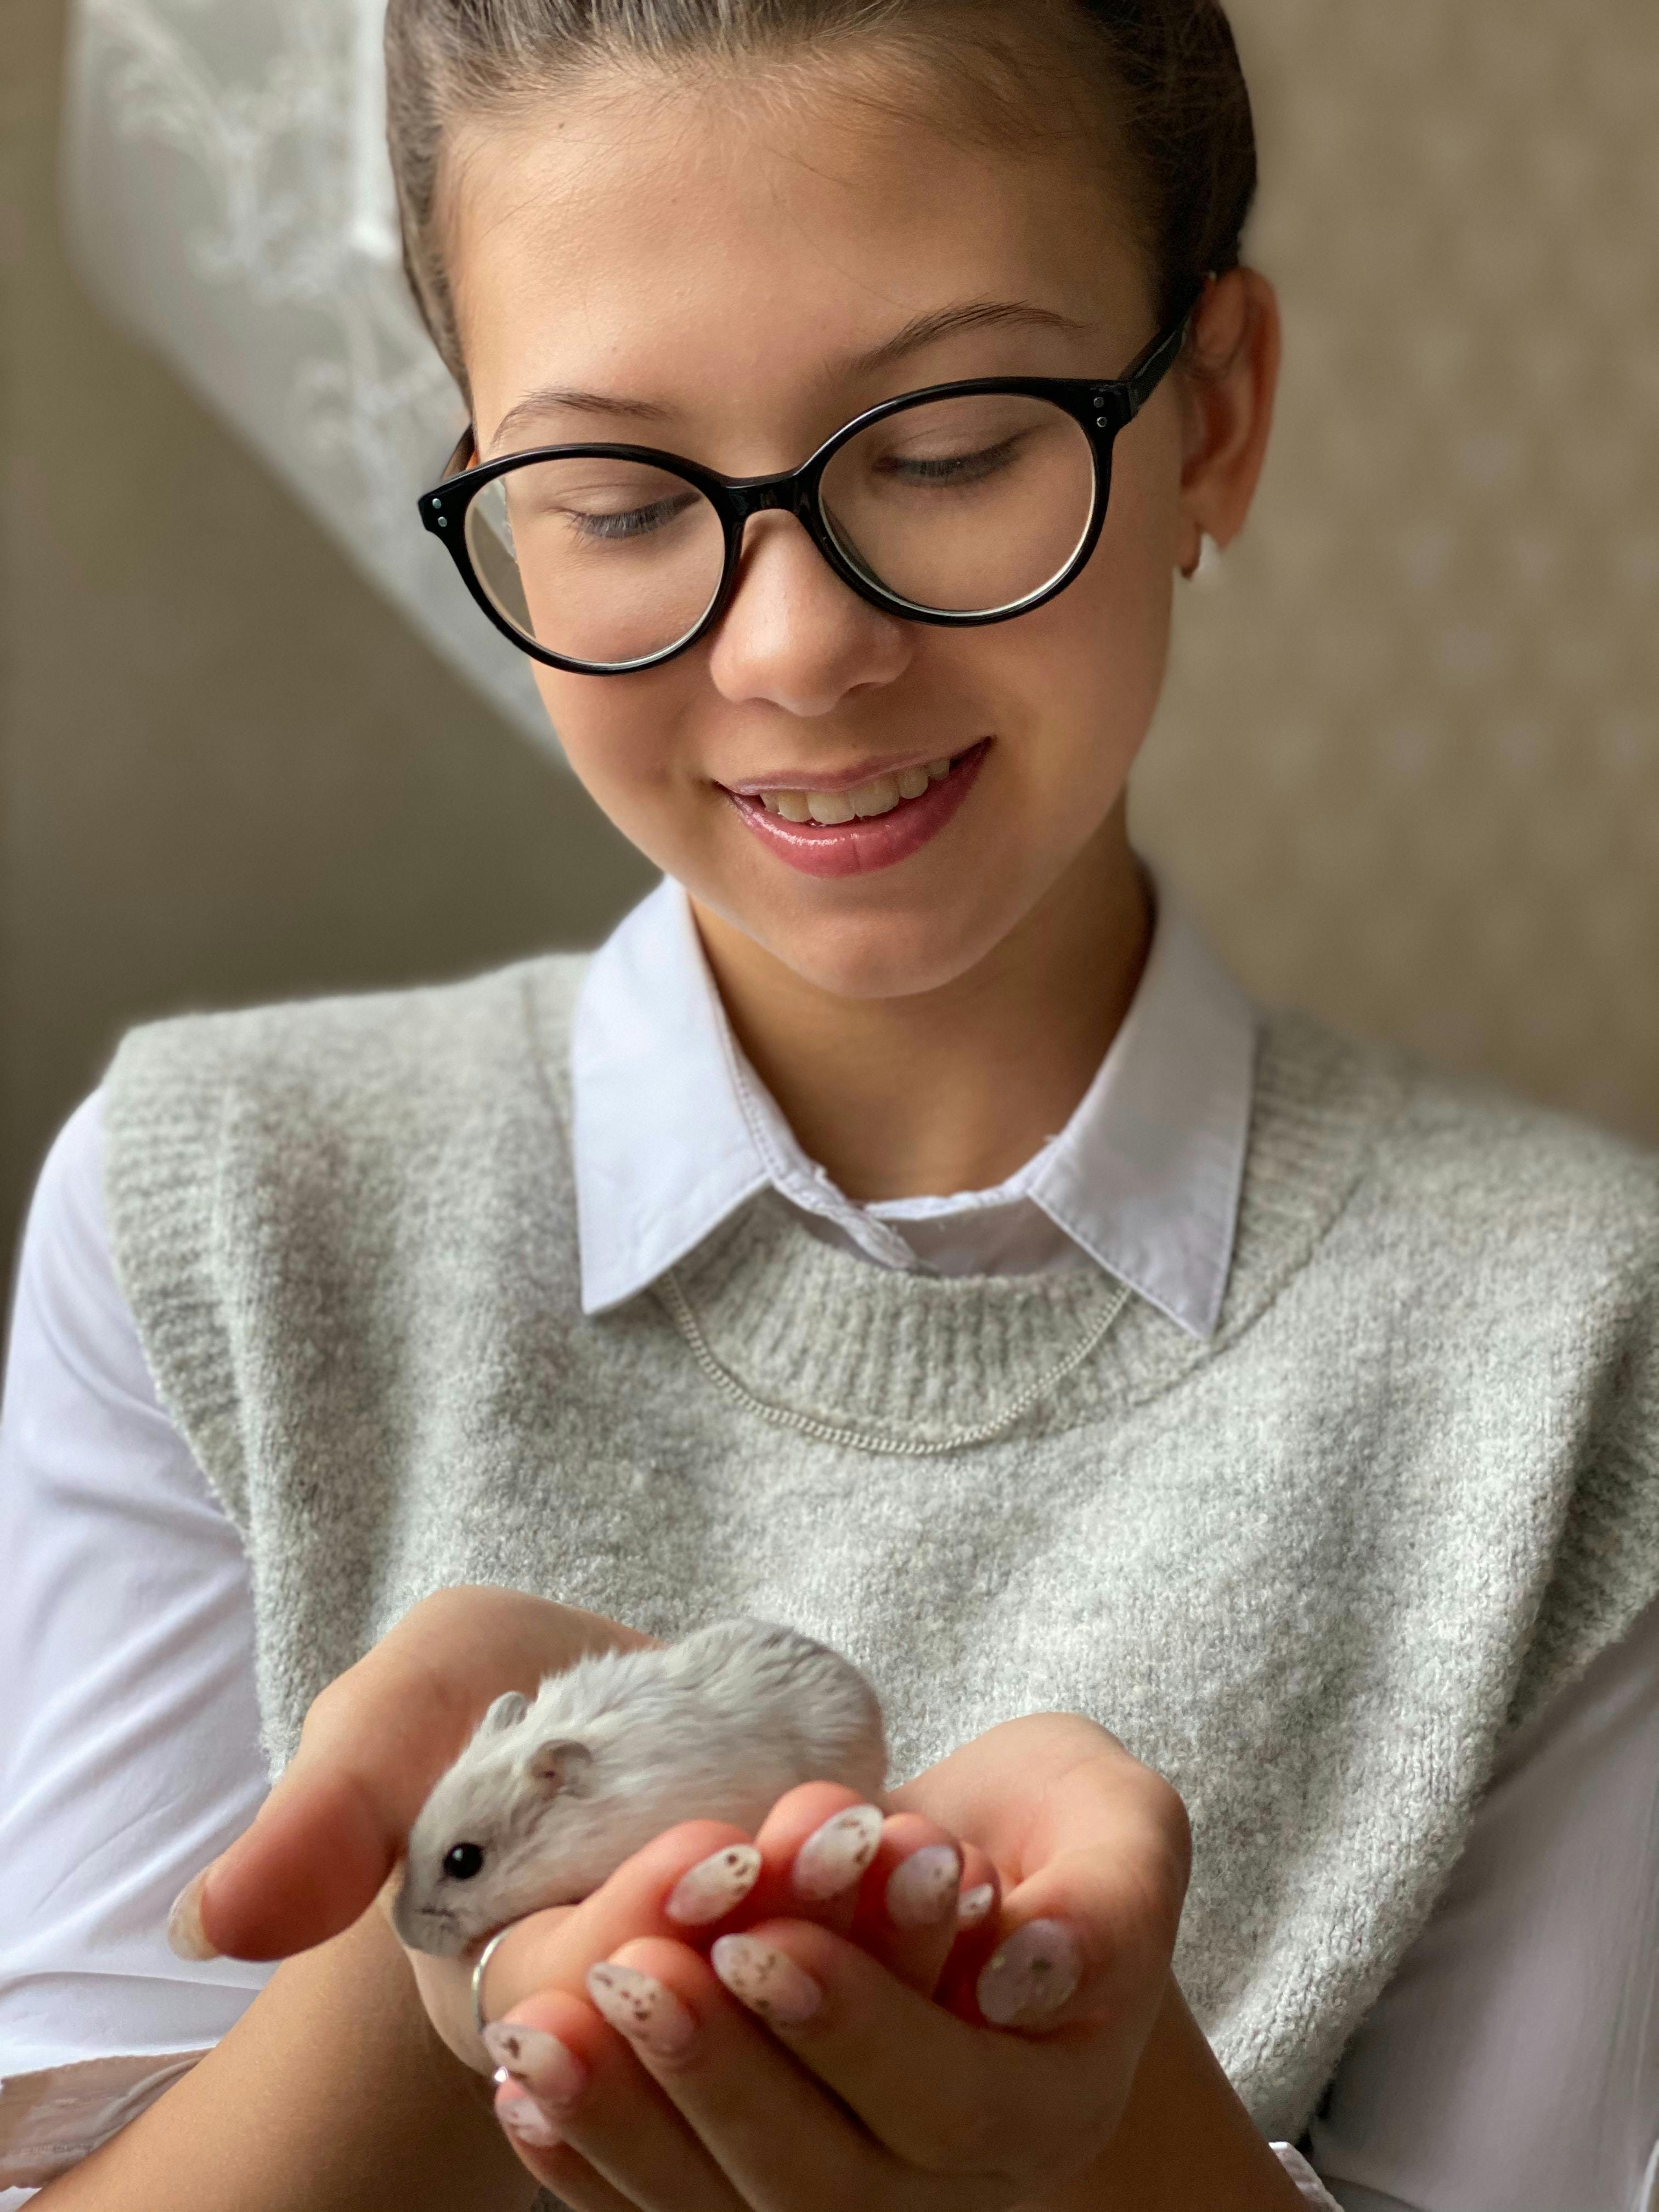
<point x="830" y="805"/>
<point x="879" y="796"/>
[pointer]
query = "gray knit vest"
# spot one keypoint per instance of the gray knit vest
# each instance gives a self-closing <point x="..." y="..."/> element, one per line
<point x="1316" y="1571"/>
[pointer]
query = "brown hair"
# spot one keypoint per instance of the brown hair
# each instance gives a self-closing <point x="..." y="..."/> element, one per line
<point x="1176" y="94"/>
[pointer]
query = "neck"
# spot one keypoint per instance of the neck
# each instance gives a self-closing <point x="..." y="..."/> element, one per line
<point x="953" y="1088"/>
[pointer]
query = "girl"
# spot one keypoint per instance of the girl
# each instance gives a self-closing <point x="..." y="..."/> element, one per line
<point x="1232" y="1451"/>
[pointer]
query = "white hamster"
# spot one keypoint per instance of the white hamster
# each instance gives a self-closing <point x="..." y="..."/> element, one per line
<point x="551" y="1797"/>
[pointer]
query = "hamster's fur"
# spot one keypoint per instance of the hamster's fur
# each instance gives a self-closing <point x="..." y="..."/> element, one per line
<point x="551" y="1797"/>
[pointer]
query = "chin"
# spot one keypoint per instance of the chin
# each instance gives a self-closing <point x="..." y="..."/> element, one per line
<point x="887" y="956"/>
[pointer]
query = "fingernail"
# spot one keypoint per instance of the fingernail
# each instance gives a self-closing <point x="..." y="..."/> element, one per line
<point x="765" y="1980"/>
<point x="714" y="1885"/>
<point x="641" y="2008"/>
<point x="974" y="1904"/>
<point x="833" y="1855"/>
<point x="1031" y="1975"/>
<point x="520" y="2115"/>
<point x="187" y="1937"/>
<point x="544" y="2064"/>
<point x="922" y="1889"/>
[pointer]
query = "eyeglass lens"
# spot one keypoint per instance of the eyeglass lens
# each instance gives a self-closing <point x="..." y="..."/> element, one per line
<point x="972" y="504"/>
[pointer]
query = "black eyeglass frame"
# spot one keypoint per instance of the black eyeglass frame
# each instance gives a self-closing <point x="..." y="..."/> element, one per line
<point x="1102" y="406"/>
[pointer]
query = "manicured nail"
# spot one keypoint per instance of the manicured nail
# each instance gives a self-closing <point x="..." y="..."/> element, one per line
<point x="521" y="2116"/>
<point x="714" y="1885"/>
<point x="187" y="1937"/>
<point x="765" y="1980"/>
<point x="974" y="1904"/>
<point x="1031" y="1975"/>
<point x="641" y="2008"/>
<point x="538" y="2060"/>
<point x="922" y="1889"/>
<point x="833" y="1855"/>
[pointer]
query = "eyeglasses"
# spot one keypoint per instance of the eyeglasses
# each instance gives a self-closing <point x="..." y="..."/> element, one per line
<point x="961" y="503"/>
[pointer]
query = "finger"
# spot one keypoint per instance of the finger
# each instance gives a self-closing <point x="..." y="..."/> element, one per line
<point x="586" y="2116"/>
<point x="984" y="2107"/>
<point x="373" y="1745"/>
<point x="972" y="1934"/>
<point x="1100" y="1854"/>
<point x="563" y="2169"/>
<point x="816" y="1845"/>
<point x="906" y="1917"/>
<point x="702" y="2110"/>
<point x="826" y="1826"/>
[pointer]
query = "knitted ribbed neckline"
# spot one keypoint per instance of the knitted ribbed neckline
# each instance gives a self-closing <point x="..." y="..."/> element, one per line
<point x="824" y="1335"/>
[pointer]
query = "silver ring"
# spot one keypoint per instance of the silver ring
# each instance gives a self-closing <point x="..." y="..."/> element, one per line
<point x="477" y="1980"/>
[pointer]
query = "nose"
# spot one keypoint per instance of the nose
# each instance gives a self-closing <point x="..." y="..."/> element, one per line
<point x="794" y="636"/>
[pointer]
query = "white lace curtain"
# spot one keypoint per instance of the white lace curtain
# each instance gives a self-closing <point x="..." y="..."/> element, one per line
<point x="226" y="197"/>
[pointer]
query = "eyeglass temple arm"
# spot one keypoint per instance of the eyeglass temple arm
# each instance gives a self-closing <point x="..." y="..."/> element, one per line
<point x="1141" y="378"/>
<point x="462" y="453"/>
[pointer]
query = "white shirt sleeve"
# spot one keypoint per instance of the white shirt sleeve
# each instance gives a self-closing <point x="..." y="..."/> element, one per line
<point x="128" y="1731"/>
<point x="1513" y="2058"/>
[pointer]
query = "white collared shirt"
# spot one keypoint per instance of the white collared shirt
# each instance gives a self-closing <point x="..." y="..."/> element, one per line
<point x="674" y="1131"/>
<point x="1514" y="2057"/>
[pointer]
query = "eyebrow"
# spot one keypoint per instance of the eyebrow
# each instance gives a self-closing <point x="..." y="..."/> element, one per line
<point x="968" y="315"/>
<point x="920" y="330"/>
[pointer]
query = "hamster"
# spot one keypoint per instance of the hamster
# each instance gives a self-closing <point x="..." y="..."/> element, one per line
<point x="551" y="1795"/>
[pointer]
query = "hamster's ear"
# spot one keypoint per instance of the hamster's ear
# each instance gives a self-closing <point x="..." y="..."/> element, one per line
<point x="508" y="1710"/>
<point x="559" y="1765"/>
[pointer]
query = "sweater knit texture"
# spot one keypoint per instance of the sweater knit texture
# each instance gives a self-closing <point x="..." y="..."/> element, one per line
<point x="1317" y="1571"/>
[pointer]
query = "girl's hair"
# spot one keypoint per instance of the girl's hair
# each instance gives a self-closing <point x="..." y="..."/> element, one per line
<point x="1163" y="77"/>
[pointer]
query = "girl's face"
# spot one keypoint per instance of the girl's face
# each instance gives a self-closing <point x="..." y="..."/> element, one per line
<point x="724" y="278"/>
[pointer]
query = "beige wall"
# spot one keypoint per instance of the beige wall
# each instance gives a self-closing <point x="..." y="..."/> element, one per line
<point x="1407" y="764"/>
<point x="1407" y="767"/>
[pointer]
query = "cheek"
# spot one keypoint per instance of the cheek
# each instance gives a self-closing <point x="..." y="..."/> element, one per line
<point x="625" y="738"/>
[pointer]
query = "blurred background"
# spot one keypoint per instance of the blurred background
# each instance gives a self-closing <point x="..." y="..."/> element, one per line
<point x="256" y="743"/>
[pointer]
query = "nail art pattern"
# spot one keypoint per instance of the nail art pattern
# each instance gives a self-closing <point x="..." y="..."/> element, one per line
<point x="1032" y="1975"/>
<point x="921" y="1890"/>
<point x="974" y="1904"/>
<point x="834" y="1856"/>
<point x="641" y="2008"/>
<point x="520" y="2115"/>
<point x="765" y="1980"/>
<point x="714" y="1885"/>
<point x="539" y="2060"/>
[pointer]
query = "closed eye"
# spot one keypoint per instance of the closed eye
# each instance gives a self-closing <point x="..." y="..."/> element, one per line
<point x="952" y="469"/>
<point x="627" y="522"/>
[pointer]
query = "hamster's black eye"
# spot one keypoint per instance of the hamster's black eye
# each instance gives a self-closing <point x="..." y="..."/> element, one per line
<point x="463" y="1861"/>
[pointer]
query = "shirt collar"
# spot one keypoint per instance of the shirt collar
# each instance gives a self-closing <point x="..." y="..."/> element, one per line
<point x="672" y="1132"/>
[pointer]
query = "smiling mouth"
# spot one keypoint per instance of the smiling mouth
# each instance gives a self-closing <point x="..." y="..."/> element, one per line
<point x="880" y="796"/>
<point x="863" y="802"/>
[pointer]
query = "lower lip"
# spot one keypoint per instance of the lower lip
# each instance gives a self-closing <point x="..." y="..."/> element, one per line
<point x="858" y="848"/>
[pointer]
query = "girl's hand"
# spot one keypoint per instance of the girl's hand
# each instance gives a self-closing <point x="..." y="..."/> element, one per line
<point x="882" y="2097"/>
<point x="741" y="1882"/>
<point x="374" y="1743"/>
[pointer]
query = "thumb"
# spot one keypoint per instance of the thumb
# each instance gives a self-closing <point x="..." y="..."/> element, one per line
<point x="325" y="1841"/>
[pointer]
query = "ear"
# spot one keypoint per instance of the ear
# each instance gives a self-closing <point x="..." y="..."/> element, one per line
<point x="559" y="1765"/>
<point x="508" y="1711"/>
<point x="1229" y="409"/>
